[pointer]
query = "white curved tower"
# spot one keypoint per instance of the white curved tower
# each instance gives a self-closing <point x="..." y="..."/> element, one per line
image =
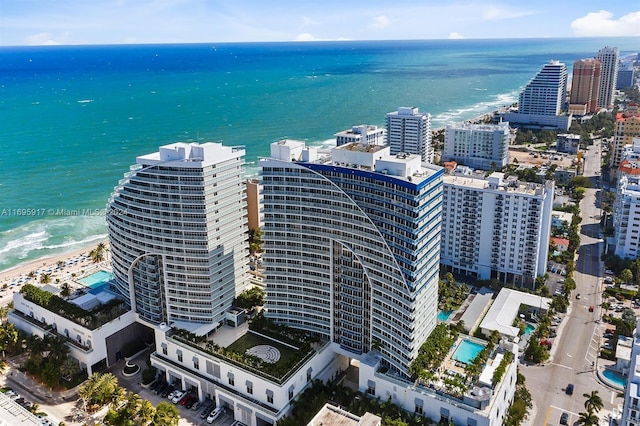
<point x="352" y="246"/>
<point x="177" y="231"/>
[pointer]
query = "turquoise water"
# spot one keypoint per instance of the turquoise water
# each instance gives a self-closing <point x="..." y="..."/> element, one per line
<point x="74" y="118"/>
<point x="444" y="315"/>
<point x="467" y="351"/>
<point x="529" y="329"/>
<point x="97" y="279"/>
<point x="614" y="378"/>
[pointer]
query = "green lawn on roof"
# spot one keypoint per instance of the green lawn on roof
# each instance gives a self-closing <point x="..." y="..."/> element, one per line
<point x="249" y="340"/>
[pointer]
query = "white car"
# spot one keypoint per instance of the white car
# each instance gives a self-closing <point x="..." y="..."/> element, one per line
<point x="177" y="397"/>
<point x="214" y="414"/>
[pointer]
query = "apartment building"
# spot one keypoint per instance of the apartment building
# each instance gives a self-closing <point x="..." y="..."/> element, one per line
<point x="368" y="134"/>
<point x="626" y="208"/>
<point x="608" y="56"/>
<point x="626" y="128"/>
<point x="409" y="132"/>
<point x="585" y="86"/>
<point x="480" y="146"/>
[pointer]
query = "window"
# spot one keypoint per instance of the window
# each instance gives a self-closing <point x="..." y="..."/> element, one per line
<point x="371" y="387"/>
<point x="179" y="355"/>
<point x="269" y="396"/>
<point x="249" y="387"/>
<point x="232" y="380"/>
<point x="196" y="363"/>
<point x="290" y="393"/>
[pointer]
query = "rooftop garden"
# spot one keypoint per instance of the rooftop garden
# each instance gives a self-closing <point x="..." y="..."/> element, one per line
<point x="262" y="331"/>
<point x="91" y="319"/>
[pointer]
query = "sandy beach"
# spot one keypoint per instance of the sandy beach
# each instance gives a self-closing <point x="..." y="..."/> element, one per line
<point x="74" y="262"/>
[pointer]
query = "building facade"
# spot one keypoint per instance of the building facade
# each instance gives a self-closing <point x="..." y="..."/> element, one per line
<point x="585" y="85"/>
<point x="496" y="228"/>
<point x="631" y="405"/>
<point x="626" y="128"/>
<point x="608" y="56"/>
<point x="371" y="135"/>
<point x="626" y="208"/>
<point x="351" y="241"/>
<point x="568" y="143"/>
<point x="545" y="94"/>
<point x="481" y="146"/>
<point x="409" y="132"/>
<point x="177" y="229"/>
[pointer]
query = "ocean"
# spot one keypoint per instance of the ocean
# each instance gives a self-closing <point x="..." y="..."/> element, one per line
<point x="74" y="118"/>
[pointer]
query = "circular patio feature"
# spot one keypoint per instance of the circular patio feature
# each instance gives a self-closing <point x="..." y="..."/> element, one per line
<point x="267" y="353"/>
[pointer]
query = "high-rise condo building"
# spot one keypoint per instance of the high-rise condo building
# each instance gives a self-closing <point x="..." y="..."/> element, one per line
<point x="626" y="208"/>
<point x="481" y="146"/>
<point x="409" y="132"/>
<point x="496" y="228"/>
<point x="630" y="415"/>
<point x="371" y="135"/>
<point x="585" y="86"/>
<point x="545" y="94"/>
<point x="609" y="58"/>
<point x="626" y="128"/>
<point x="351" y="246"/>
<point x="177" y="231"/>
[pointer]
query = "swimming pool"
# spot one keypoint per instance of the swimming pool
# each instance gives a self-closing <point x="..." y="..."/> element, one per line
<point x="467" y="351"/>
<point x="614" y="378"/>
<point x="97" y="279"/>
<point x="444" y="315"/>
<point x="529" y="328"/>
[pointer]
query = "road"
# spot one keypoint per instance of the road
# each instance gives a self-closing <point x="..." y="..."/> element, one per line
<point x="574" y="357"/>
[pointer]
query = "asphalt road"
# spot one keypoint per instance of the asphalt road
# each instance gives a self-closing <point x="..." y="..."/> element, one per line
<point x="574" y="356"/>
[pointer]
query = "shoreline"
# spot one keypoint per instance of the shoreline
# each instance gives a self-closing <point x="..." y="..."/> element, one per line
<point x="76" y="261"/>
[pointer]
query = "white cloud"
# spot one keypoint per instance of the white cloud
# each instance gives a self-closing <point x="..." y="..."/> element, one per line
<point x="601" y="23"/>
<point x="455" y="36"/>
<point x="493" y="13"/>
<point x="380" y="22"/>
<point x="311" y="37"/>
<point x="48" y="39"/>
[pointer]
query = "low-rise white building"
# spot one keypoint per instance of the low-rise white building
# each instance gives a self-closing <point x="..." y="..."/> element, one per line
<point x="567" y="142"/>
<point x="90" y="344"/>
<point x="365" y="134"/>
<point x="506" y="308"/>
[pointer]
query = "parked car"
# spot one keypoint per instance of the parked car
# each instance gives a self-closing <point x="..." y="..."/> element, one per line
<point x="167" y="390"/>
<point x="569" y="389"/>
<point x="564" y="419"/>
<point x="185" y="398"/>
<point x="177" y="397"/>
<point x="578" y="296"/>
<point x="206" y="410"/>
<point x="608" y="272"/>
<point x="214" y="414"/>
<point x="591" y="308"/>
<point x="196" y="404"/>
<point x="190" y="402"/>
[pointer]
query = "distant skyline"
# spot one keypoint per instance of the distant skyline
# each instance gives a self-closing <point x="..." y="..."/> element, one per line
<point x="46" y="22"/>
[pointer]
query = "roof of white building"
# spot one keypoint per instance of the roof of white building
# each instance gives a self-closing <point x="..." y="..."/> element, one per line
<point x="505" y="309"/>
<point x="336" y="416"/>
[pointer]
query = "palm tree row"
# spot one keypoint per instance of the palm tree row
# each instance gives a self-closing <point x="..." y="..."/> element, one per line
<point x="125" y="408"/>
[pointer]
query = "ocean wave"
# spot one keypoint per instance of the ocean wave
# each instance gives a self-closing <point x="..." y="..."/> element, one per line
<point x="466" y="113"/>
<point x="47" y="237"/>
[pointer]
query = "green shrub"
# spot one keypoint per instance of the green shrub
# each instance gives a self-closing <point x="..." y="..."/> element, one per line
<point x="148" y="375"/>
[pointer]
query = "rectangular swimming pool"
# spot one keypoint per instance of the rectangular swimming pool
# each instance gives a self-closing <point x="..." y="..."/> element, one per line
<point x="467" y="351"/>
<point x="97" y="279"/>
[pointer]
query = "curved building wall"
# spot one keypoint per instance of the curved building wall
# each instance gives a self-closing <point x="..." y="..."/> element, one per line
<point x="352" y="255"/>
<point x="178" y="242"/>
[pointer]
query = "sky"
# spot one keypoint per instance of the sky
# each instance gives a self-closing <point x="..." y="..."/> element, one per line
<point x="51" y="22"/>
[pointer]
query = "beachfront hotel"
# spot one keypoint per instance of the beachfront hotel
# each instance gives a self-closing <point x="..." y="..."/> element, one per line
<point x="351" y="243"/>
<point x="496" y="228"/>
<point x="178" y="242"/>
<point x="542" y="101"/>
<point x="409" y="132"/>
<point x="480" y="146"/>
<point x="608" y="56"/>
<point x="369" y="134"/>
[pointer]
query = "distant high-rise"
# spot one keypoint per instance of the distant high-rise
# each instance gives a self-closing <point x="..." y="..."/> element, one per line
<point x="409" y="132"/>
<point x="351" y="246"/>
<point x="371" y="135"/>
<point x="178" y="234"/>
<point x="626" y="75"/>
<point x="545" y="94"/>
<point x="481" y="146"/>
<point x="627" y="127"/>
<point x="585" y="84"/>
<point x="609" y="58"/>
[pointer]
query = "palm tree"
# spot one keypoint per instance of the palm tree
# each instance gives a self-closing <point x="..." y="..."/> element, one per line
<point x="166" y="415"/>
<point x="87" y="390"/>
<point x="593" y="401"/>
<point x="8" y="335"/>
<point x="588" y="419"/>
<point x="145" y="413"/>
<point x="31" y="274"/>
<point x="45" y="278"/>
<point x="65" y="289"/>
